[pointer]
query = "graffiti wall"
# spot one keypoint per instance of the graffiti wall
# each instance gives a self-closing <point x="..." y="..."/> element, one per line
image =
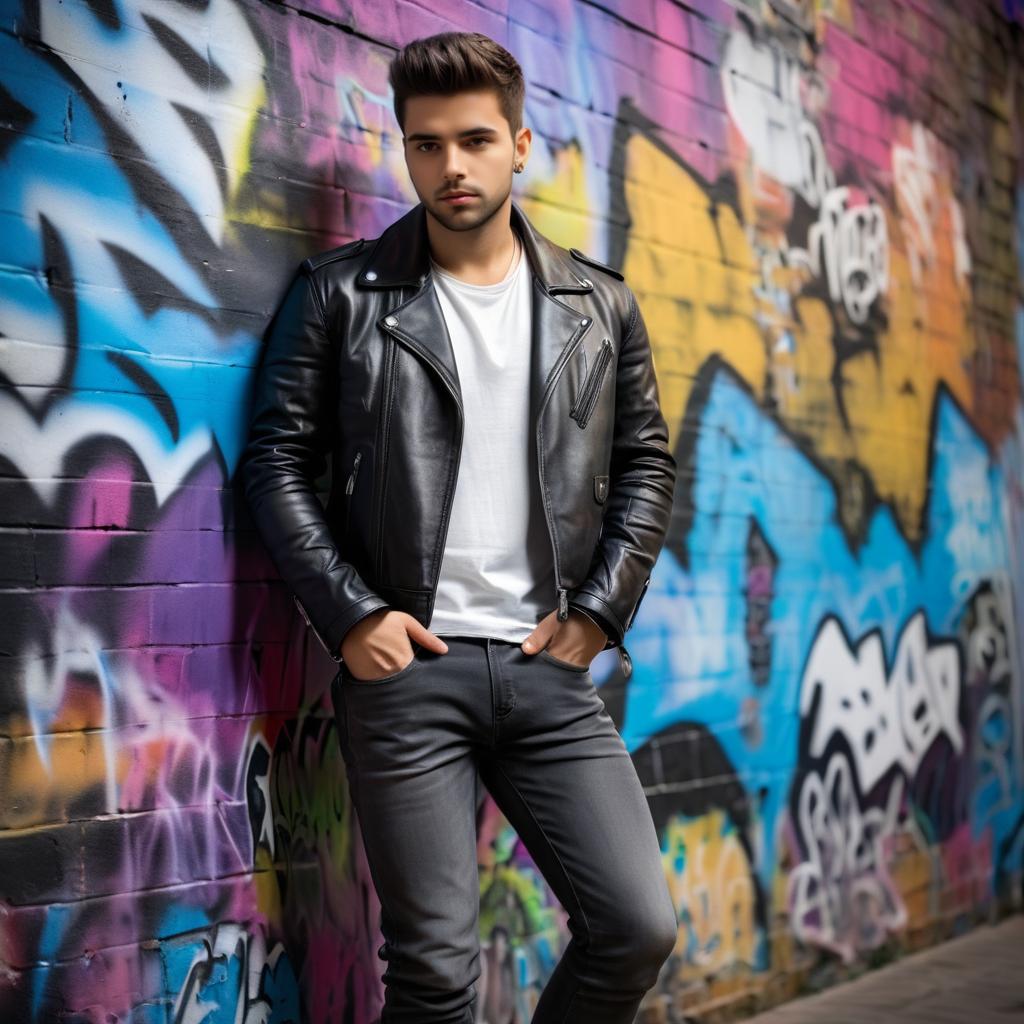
<point x="820" y="205"/>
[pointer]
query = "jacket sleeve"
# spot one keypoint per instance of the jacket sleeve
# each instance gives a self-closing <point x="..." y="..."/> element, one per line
<point x="642" y="479"/>
<point x="291" y="430"/>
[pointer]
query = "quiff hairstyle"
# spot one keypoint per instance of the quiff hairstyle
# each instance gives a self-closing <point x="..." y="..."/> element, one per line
<point x="453" y="62"/>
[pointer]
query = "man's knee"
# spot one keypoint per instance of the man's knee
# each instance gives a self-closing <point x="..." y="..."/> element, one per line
<point x="637" y="947"/>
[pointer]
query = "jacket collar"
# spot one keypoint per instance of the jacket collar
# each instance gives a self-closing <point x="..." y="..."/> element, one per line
<point x="401" y="256"/>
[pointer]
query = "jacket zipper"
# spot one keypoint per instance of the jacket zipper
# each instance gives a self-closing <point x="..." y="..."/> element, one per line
<point x="313" y="629"/>
<point x="587" y="398"/>
<point x="388" y="386"/>
<point x="632" y="614"/>
<point x="450" y="495"/>
<point x="350" y="487"/>
<point x="451" y="500"/>
<point x="562" y="592"/>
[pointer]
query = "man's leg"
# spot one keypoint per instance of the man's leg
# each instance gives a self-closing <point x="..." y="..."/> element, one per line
<point x="409" y="746"/>
<point x="563" y="777"/>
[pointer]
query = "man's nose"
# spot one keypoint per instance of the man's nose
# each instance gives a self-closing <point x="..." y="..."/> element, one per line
<point x="453" y="163"/>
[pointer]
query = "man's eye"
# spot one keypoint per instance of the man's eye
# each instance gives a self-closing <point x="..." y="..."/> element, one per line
<point x="421" y="146"/>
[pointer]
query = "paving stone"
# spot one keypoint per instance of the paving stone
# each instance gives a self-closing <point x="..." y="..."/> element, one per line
<point x="977" y="978"/>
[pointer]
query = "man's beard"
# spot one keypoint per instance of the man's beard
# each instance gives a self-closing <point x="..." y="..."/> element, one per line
<point x="456" y="220"/>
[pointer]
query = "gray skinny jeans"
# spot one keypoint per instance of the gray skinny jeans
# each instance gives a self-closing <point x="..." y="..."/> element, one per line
<point x="536" y="730"/>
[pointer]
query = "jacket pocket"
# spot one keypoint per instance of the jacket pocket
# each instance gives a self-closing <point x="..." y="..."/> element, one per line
<point x="586" y="399"/>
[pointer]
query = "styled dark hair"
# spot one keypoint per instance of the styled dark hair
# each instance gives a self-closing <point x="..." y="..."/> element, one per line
<point x="452" y="62"/>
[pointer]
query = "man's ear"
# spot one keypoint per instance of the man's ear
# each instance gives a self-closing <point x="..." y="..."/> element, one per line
<point x="523" y="133"/>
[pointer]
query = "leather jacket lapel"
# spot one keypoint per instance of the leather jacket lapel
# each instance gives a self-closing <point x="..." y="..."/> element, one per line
<point x="419" y="323"/>
<point x="555" y="330"/>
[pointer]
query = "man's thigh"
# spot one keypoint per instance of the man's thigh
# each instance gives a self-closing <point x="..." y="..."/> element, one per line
<point x="564" y="778"/>
<point x="409" y="744"/>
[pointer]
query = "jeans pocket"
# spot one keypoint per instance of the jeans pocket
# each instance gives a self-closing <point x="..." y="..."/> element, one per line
<point x="568" y="665"/>
<point x="398" y="674"/>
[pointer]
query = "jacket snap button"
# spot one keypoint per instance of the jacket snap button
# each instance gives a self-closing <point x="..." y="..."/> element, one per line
<point x="585" y="320"/>
<point x="391" y="321"/>
<point x="370" y="275"/>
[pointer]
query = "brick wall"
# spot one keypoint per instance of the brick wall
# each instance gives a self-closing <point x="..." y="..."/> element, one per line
<point x="819" y="204"/>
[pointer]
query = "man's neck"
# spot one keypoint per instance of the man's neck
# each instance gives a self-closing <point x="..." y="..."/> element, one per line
<point x="480" y="256"/>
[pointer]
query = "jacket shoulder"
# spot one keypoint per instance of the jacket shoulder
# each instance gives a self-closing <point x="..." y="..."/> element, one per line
<point x="341" y="252"/>
<point x="590" y="261"/>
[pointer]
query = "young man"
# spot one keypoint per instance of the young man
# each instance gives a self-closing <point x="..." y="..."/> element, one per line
<point x="502" y="479"/>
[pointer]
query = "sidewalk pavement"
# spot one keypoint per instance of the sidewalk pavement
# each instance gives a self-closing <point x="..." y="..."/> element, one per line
<point x="977" y="978"/>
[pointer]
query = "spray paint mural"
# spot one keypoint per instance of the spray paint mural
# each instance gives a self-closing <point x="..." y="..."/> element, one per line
<point x="820" y="206"/>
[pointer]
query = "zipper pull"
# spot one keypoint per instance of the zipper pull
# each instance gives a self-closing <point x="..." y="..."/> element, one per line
<point x="352" y="476"/>
<point x="563" y="604"/>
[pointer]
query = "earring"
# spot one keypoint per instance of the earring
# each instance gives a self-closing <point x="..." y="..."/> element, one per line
<point x="518" y="168"/>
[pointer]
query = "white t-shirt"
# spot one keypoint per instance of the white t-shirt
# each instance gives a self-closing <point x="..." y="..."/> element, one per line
<point x="497" y="571"/>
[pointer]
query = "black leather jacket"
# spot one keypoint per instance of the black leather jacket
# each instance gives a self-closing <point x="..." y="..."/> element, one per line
<point x="359" y="366"/>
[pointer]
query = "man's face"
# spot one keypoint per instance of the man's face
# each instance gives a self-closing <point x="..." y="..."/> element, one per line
<point x="461" y="143"/>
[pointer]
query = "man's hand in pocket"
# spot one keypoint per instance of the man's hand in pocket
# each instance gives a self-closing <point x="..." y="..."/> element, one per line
<point x="380" y="643"/>
<point x="576" y="640"/>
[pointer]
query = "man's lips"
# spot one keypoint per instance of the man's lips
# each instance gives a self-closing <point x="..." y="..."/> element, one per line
<point x="458" y="198"/>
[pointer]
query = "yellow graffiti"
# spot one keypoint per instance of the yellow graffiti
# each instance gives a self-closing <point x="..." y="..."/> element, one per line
<point x="695" y="276"/>
<point x="713" y="890"/>
<point x="42" y="790"/>
<point x="714" y="282"/>
<point x="559" y="205"/>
